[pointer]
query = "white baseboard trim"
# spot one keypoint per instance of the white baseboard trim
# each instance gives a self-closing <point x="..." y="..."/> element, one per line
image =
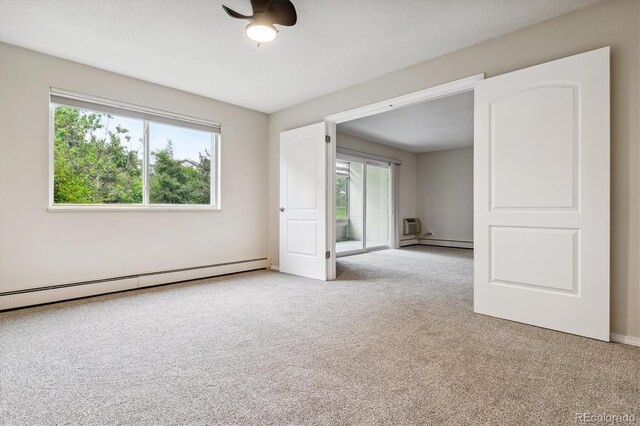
<point x="627" y="340"/>
<point x="75" y="291"/>
<point x="447" y="243"/>
<point x="275" y="267"/>
<point x="404" y="243"/>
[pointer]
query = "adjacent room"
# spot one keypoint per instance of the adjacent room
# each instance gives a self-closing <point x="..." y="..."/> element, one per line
<point x="411" y="167"/>
<point x="302" y="212"/>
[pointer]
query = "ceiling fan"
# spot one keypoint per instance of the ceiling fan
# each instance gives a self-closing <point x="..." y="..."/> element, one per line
<point x="266" y="14"/>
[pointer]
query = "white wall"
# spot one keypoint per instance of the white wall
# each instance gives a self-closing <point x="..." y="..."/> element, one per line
<point x="39" y="248"/>
<point x="444" y="194"/>
<point x="612" y="23"/>
<point x="406" y="171"/>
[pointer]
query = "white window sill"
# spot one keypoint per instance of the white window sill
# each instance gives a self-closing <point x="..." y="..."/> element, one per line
<point x="102" y="209"/>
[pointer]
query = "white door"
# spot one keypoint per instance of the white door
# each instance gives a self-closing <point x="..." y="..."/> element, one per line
<point x="302" y="201"/>
<point x="541" y="185"/>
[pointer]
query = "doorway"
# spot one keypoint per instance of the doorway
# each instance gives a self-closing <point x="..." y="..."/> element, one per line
<point x="336" y="225"/>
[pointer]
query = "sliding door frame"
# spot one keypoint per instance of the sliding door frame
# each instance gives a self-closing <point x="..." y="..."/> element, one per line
<point x="365" y="161"/>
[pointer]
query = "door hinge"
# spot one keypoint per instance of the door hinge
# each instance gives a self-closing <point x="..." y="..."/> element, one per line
<point x="327" y="255"/>
<point x="327" y="139"/>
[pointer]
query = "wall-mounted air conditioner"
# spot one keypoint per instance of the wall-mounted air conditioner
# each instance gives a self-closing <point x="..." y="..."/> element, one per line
<point x="411" y="226"/>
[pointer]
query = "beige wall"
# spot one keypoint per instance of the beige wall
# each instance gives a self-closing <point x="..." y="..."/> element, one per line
<point x="444" y="194"/>
<point x="39" y="248"/>
<point x="406" y="171"/>
<point x="612" y="23"/>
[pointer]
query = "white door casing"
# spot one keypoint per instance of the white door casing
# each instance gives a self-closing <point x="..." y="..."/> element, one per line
<point x="541" y="189"/>
<point x="303" y="201"/>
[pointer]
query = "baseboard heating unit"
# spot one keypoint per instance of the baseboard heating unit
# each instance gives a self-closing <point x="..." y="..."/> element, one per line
<point x="55" y="293"/>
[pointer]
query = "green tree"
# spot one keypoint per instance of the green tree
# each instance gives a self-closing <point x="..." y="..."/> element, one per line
<point x="174" y="181"/>
<point x="91" y="166"/>
<point x="201" y="180"/>
<point x="342" y="182"/>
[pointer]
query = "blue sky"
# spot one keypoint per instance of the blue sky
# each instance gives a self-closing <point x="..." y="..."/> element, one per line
<point x="187" y="143"/>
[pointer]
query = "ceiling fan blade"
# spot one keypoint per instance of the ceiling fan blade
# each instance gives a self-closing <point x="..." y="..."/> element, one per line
<point x="259" y="6"/>
<point x="282" y="12"/>
<point x="235" y="14"/>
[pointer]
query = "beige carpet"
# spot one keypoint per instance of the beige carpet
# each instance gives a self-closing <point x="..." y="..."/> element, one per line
<point x="393" y="341"/>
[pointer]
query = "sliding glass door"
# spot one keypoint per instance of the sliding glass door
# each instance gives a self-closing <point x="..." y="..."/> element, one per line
<point x="378" y="209"/>
<point x="363" y="205"/>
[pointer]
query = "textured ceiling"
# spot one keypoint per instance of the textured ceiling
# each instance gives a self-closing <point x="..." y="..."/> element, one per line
<point x="444" y="123"/>
<point x="194" y="46"/>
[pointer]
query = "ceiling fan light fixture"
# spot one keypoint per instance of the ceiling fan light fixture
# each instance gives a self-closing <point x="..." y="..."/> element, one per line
<point x="261" y="32"/>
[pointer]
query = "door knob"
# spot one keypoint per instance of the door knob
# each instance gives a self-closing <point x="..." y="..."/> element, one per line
<point x="281" y="209"/>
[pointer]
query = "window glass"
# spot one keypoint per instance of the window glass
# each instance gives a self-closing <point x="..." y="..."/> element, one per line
<point x="342" y="190"/>
<point x="98" y="158"/>
<point x="180" y="165"/>
<point x="342" y="193"/>
<point x="378" y="188"/>
<point x="102" y="158"/>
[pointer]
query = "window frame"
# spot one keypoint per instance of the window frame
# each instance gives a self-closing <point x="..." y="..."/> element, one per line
<point x="176" y="120"/>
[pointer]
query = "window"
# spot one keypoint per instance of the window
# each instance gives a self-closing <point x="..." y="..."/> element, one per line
<point x="107" y="155"/>
<point x="342" y="190"/>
